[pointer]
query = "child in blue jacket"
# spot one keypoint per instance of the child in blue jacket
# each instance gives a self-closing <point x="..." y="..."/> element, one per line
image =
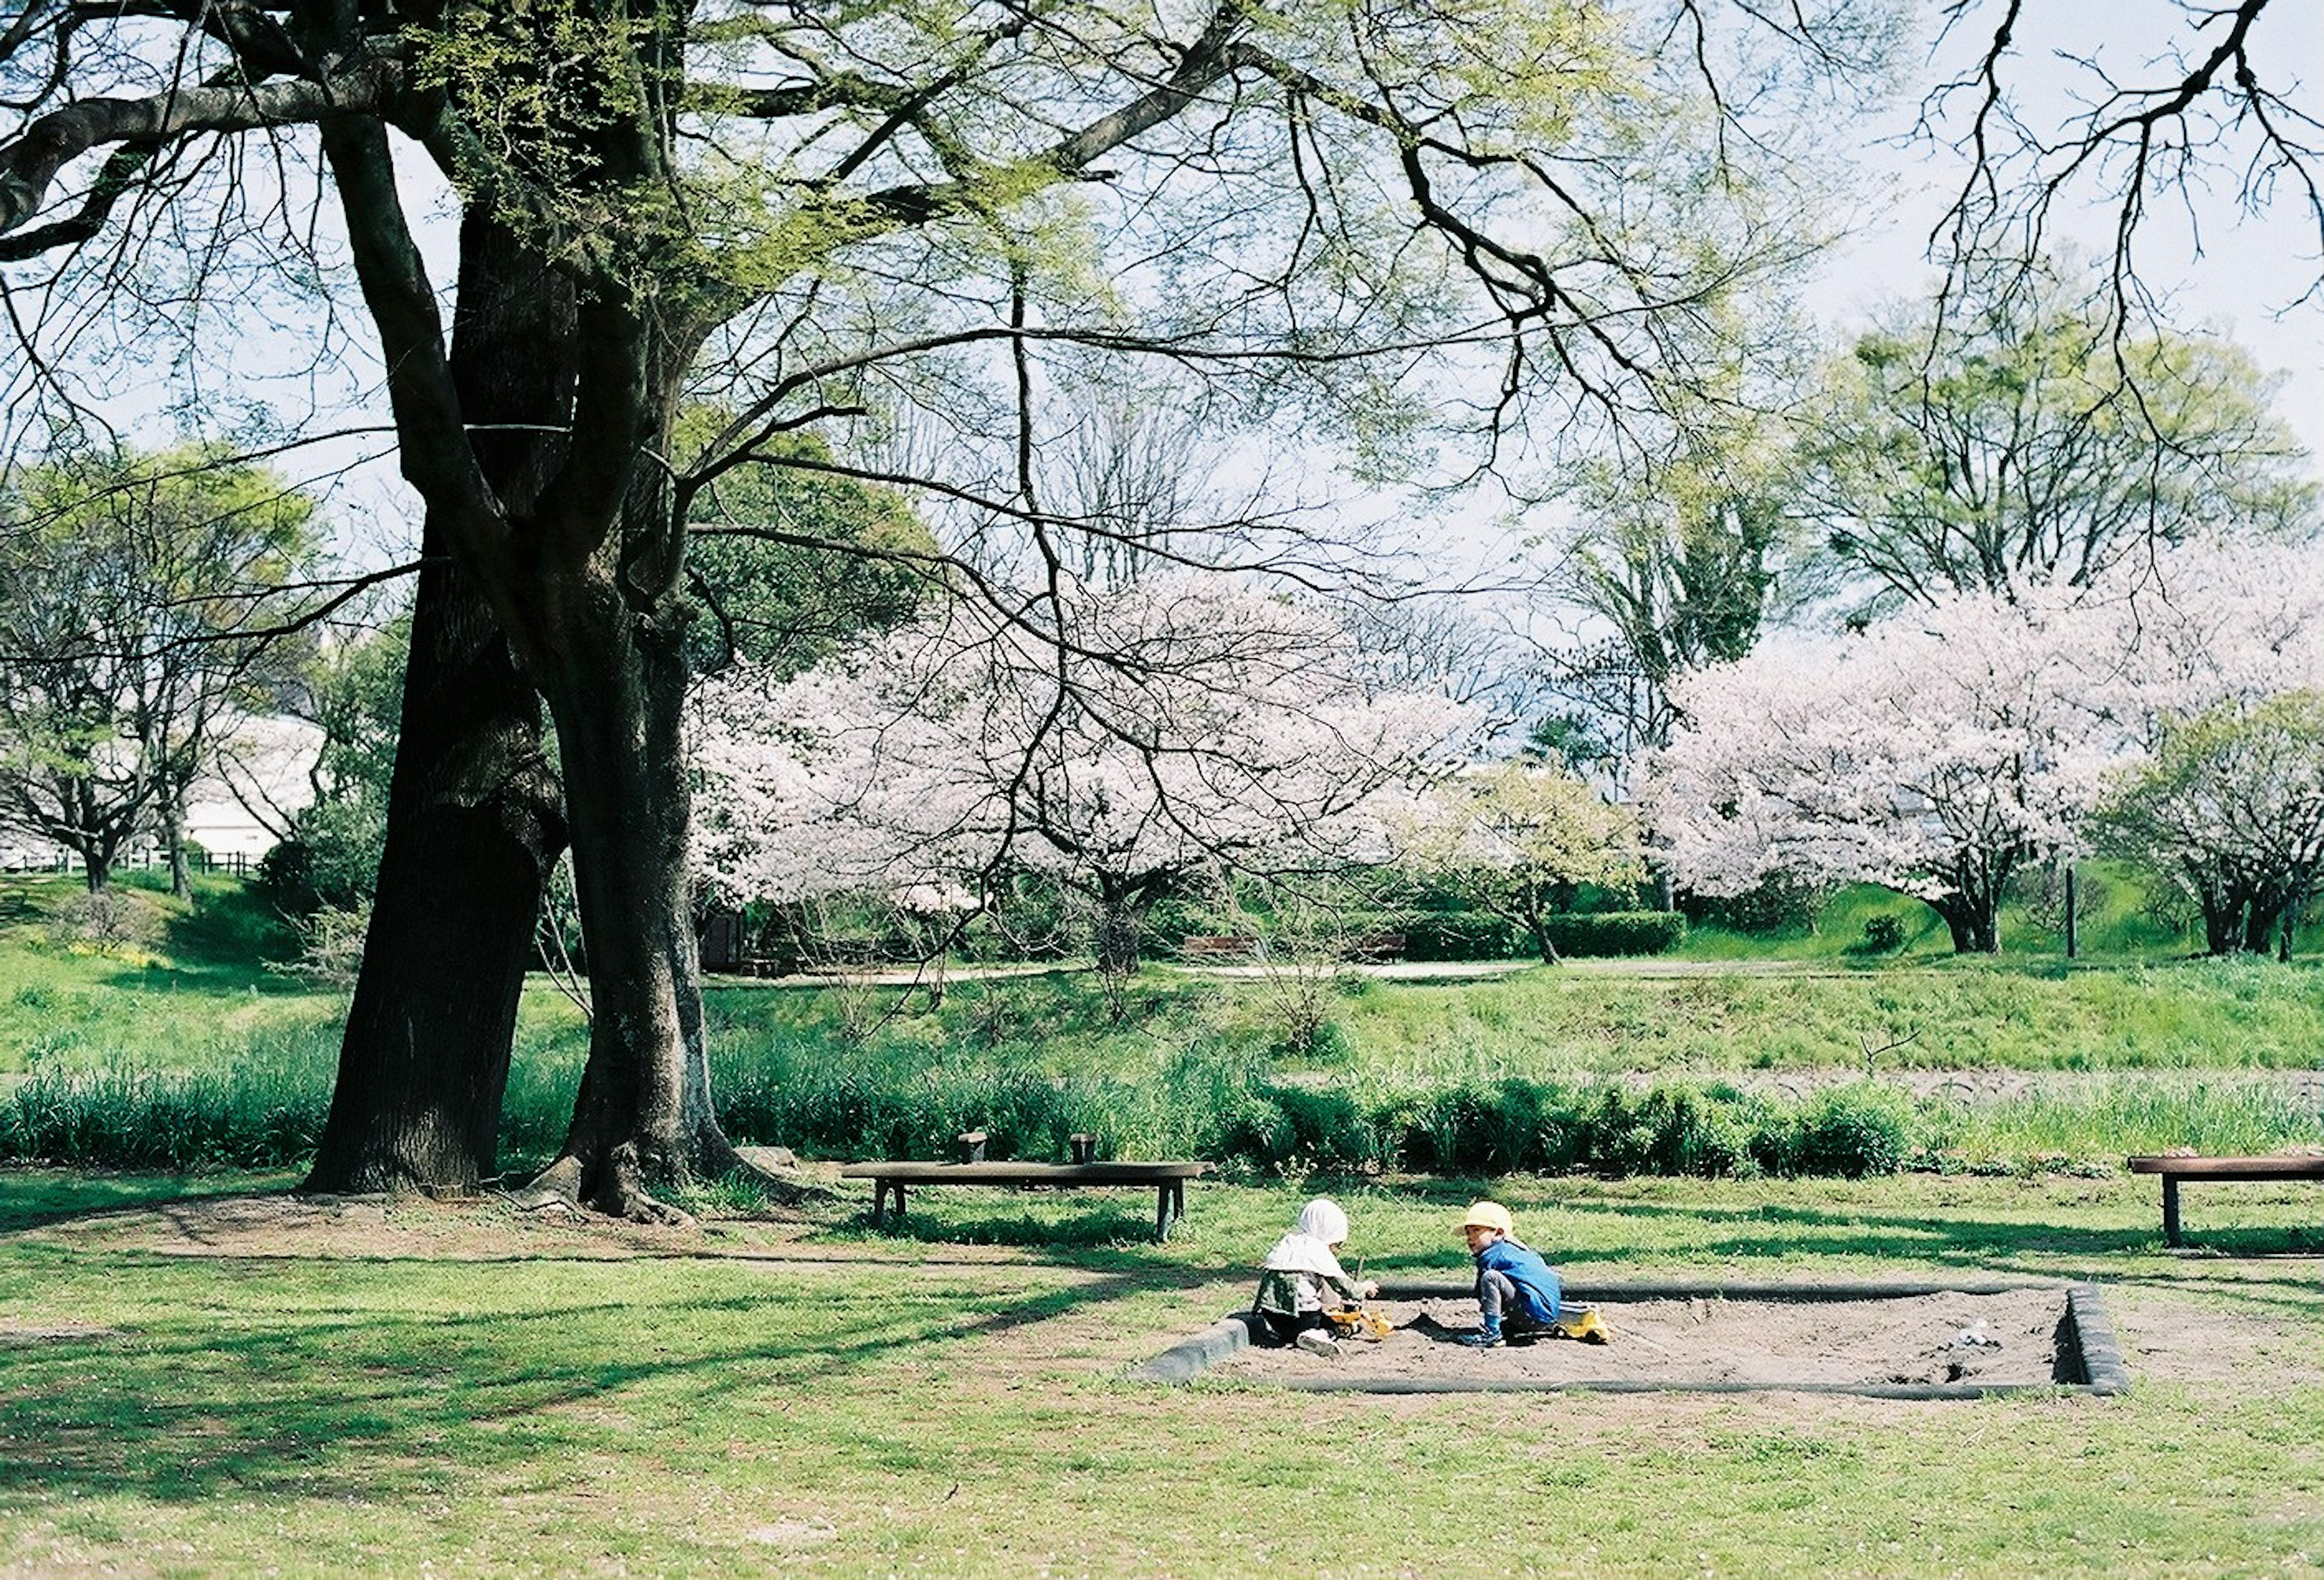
<point x="1518" y="1293"/>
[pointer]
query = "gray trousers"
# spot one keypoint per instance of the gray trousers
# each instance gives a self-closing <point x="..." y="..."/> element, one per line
<point x="1497" y="1297"/>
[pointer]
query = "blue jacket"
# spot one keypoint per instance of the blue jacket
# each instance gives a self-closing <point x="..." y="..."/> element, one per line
<point x="1536" y="1280"/>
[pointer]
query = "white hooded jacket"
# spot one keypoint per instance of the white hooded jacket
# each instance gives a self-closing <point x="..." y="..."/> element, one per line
<point x="1306" y="1253"/>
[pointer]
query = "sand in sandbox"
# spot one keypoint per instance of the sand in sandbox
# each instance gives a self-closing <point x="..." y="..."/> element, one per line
<point x="1908" y="1339"/>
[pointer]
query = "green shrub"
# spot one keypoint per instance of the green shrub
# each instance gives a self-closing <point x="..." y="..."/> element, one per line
<point x="1511" y="1126"/>
<point x="1883" y="935"/>
<point x="1779" y="903"/>
<point x="1320" y="1127"/>
<point x="136" y="1119"/>
<point x="1671" y="1130"/>
<point x="1611" y="933"/>
<point x="1463" y="936"/>
<point x="1854" y="1130"/>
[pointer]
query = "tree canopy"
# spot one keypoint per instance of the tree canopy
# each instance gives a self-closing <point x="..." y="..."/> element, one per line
<point x="1172" y="726"/>
<point x="2011" y="439"/>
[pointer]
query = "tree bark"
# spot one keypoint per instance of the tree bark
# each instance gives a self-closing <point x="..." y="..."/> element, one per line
<point x="173" y="838"/>
<point x="1535" y="917"/>
<point x="473" y="820"/>
<point x="1974" y="921"/>
<point x="2222" y="920"/>
<point x="472" y="828"/>
<point x="1120" y="942"/>
<point x="644" y="1116"/>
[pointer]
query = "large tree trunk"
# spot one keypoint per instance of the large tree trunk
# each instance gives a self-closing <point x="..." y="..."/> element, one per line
<point x="1973" y="920"/>
<point x="644" y="1116"/>
<point x="1120" y="941"/>
<point x="2270" y="908"/>
<point x="1972" y="911"/>
<point x="474" y="822"/>
<point x="472" y="828"/>
<point x="2222" y="920"/>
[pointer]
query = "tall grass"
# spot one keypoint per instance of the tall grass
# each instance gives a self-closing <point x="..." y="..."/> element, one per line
<point x="268" y="1112"/>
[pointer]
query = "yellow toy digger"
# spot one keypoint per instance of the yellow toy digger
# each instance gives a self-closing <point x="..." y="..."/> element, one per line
<point x="1583" y="1323"/>
<point x="1360" y="1322"/>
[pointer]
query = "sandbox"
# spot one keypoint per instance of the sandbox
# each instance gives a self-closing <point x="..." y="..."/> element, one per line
<point x="1955" y="1340"/>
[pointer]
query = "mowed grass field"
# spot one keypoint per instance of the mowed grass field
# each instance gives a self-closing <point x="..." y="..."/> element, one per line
<point x="194" y="1382"/>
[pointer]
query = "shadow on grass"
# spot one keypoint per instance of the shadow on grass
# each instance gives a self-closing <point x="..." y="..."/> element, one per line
<point x="354" y="1397"/>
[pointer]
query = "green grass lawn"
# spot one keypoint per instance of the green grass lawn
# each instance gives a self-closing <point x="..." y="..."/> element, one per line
<point x="184" y="987"/>
<point x="439" y="1392"/>
<point x="2117" y="921"/>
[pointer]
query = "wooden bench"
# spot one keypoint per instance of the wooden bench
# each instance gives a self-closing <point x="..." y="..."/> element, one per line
<point x="2174" y="1169"/>
<point x="1229" y="946"/>
<point x="1168" y="1180"/>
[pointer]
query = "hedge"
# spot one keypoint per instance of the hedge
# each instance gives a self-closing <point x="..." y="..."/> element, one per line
<point x="1618" y="932"/>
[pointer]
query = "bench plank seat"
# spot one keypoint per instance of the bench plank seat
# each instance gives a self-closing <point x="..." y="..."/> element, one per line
<point x="1168" y="1178"/>
<point x="2173" y="1167"/>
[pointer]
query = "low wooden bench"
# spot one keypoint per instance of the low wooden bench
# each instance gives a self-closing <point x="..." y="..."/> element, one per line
<point x="2174" y="1169"/>
<point x="1168" y="1180"/>
<point x="1224" y="946"/>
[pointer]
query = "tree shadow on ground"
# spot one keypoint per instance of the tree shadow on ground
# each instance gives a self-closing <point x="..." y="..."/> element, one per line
<point x="362" y="1399"/>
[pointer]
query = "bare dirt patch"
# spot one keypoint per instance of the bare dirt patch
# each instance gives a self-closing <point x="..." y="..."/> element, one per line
<point x="490" y="1228"/>
<point x="1940" y="1338"/>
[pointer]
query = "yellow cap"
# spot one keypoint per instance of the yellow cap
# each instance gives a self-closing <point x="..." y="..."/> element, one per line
<point x="1489" y="1215"/>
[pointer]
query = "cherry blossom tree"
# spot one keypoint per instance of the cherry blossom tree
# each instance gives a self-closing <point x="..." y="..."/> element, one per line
<point x="2217" y="685"/>
<point x="1941" y="749"/>
<point x="2218" y="620"/>
<point x="1124" y="740"/>
<point x="1472" y="224"/>
<point x="1934" y="755"/>
<point x="2231" y="805"/>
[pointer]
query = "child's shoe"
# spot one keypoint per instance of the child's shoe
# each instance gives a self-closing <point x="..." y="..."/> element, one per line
<point x="1484" y="1338"/>
<point x="1317" y="1342"/>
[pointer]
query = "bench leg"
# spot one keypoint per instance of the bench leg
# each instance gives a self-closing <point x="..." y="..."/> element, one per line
<point x="2171" y="1210"/>
<point x="1169" y="1206"/>
<point x="880" y="1188"/>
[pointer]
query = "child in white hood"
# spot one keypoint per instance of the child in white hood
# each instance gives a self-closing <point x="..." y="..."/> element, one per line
<point x="1301" y="1276"/>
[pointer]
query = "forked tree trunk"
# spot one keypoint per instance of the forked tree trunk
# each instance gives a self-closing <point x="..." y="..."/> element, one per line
<point x="2222" y="921"/>
<point x="474" y="822"/>
<point x="1120" y="942"/>
<point x="2270" y="908"/>
<point x="1974" y="922"/>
